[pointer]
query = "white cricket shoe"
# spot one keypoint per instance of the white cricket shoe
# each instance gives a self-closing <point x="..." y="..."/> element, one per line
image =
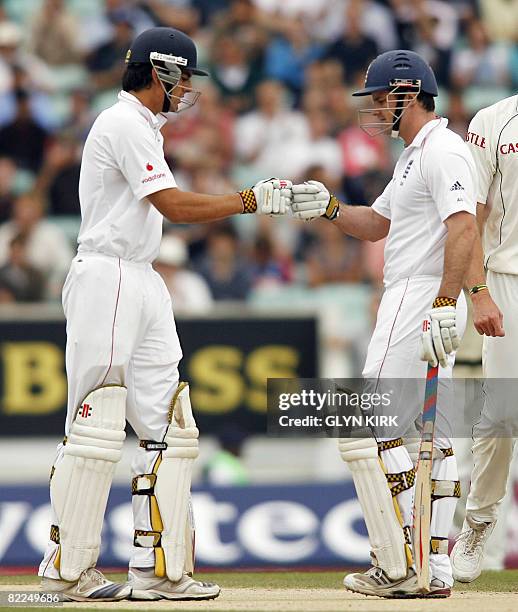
<point x="375" y="582"/>
<point x="145" y="585"/>
<point x="468" y="553"/>
<point x="91" y="586"/>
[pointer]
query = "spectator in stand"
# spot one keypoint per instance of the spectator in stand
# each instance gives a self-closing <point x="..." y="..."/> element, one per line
<point x="178" y="14"/>
<point x="81" y="116"/>
<point x="19" y="281"/>
<point x="13" y="56"/>
<point x="481" y="62"/>
<point x="366" y="160"/>
<point x="457" y="113"/>
<point x="290" y="53"/>
<point x="228" y="275"/>
<point x="55" y="34"/>
<point x="263" y="135"/>
<point x="333" y="258"/>
<point x="106" y="63"/>
<point x="185" y="136"/>
<point x="8" y="172"/>
<point x="268" y="269"/>
<point x="235" y="72"/>
<point x="189" y="291"/>
<point x="430" y="28"/>
<point x="339" y="108"/>
<point x="500" y="18"/>
<point x="354" y="49"/>
<point x="23" y="140"/>
<point x="319" y="149"/>
<point x="47" y="247"/>
<point x="58" y="180"/>
<point x="246" y="24"/>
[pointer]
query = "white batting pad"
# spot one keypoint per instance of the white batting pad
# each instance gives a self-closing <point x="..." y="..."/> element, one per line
<point x="81" y="481"/>
<point x="173" y="483"/>
<point x="386" y="535"/>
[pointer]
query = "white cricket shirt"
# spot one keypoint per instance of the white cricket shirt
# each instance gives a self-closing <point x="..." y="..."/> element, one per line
<point x="433" y="179"/>
<point x="123" y="162"/>
<point x="493" y="140"/>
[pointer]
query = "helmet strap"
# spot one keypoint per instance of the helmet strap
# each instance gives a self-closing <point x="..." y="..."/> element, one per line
<point x="166" y="106"/>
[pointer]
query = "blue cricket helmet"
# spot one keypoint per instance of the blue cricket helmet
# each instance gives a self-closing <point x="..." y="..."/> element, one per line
<point x="395" y="68"/>
<point x="166" y="41"/>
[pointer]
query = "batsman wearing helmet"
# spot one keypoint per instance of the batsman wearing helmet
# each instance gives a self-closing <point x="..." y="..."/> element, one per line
<point x="122" y="349"/>
<point x="427" y="214"/>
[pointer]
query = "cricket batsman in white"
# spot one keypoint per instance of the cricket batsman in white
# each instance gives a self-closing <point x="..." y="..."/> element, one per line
<point x="493" y="286"/>
<point x="427" y="213"/>
<point x="122" y="349"/>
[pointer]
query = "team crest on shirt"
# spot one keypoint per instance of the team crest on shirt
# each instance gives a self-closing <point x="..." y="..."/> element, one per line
<point x="407" y="170"/>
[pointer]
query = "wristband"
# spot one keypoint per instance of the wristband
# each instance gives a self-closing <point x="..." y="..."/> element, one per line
<point x="478" y="288"/>
<point x="249" y="201"/>
<point x="333" y="208"/>
<point x="444" y="301"/>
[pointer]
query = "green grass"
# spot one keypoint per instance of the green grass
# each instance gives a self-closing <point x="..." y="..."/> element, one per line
<point x="499" y="582"/>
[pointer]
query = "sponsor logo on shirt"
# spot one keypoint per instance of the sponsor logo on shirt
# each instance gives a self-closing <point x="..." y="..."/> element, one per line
<point x="149" y="167"/>
<point x="510" y="147"/>
<point x="456" y="187"/>
<point x="476" y="139"/>
<point x="148" y="179"/>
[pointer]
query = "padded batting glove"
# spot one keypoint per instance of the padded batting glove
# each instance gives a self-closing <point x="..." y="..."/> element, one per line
<point x="312" y="200"/>
<point x="439" y="337"/>
<point x="271" y="197"/>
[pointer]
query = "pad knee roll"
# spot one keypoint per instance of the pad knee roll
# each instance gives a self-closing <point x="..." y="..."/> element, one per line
<point x="81" y="480"/>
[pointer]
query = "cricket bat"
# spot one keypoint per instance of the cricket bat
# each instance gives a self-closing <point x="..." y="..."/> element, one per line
<point x="423" y="484"/>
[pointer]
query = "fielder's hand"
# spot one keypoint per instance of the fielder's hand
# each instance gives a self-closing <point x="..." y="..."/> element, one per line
<point x="312" y="200"/>
<point x="439" y="337"/>
<point x="271" y="197"/>
<point x="487" y="317"/>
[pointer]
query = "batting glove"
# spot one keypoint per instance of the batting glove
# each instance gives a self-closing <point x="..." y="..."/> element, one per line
<point x="440" y="337"/>
<point x="312" y="200"/>
<point x="271" y="197"/>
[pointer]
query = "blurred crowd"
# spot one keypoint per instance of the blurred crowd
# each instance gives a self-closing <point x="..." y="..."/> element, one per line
<point x="277" y="104"/>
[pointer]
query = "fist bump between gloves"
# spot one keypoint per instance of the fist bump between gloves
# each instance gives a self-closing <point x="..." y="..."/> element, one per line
<point x="271" y="197"/>
<point x="439" y="337"/>
<point x="275" y="197"/>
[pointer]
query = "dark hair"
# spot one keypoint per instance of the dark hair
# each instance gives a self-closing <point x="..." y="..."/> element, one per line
<point x="427" y="101"/>
<point x="137" y="77"/>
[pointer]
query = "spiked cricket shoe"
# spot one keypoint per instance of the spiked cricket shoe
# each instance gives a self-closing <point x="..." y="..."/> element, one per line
<point x="375" y="582"/>
<point x="91" y="586"/>
<point x="145" y="585"/>
<point x="468" y="553"/>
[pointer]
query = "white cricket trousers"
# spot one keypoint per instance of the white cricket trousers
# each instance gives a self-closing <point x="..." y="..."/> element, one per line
<point x="492" y="456"/>
<point x="120" y="330"/>
<point x="394" y="352"/>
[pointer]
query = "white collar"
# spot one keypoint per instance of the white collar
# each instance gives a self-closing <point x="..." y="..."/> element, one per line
<point x="156" y="121"/>
<point x="426" y="129"/>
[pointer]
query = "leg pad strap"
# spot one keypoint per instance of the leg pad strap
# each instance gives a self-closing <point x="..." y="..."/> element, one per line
<point x="445" y="488"/>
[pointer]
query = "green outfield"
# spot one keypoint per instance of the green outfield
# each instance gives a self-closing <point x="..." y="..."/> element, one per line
<point x="499" y="582"/>
<point x="309" y="592"/>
